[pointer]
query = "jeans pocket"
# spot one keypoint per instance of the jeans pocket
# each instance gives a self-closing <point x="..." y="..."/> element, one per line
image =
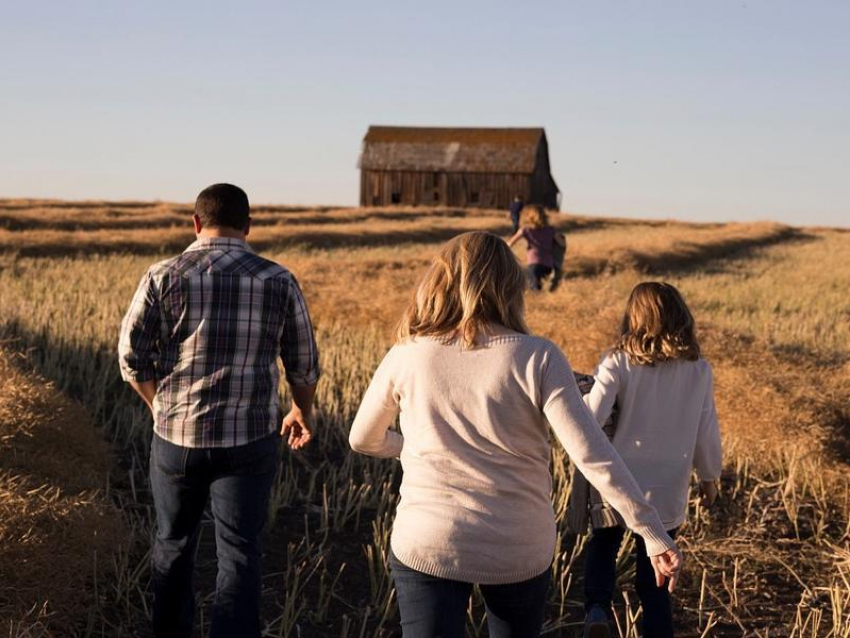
<point x="167" y="458"/>
<point x="257" y="458"/>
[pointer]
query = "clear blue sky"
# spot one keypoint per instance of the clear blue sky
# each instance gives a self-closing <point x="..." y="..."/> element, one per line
<point x="712" y="110"/>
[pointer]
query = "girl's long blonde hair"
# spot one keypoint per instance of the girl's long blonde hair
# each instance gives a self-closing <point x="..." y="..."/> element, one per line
<point x="657" y="326"/>
<point x="474" y="280"/>
<point x="535" y="216"/>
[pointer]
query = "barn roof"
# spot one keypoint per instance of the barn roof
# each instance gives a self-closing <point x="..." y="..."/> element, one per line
<point x="464" y="150"/>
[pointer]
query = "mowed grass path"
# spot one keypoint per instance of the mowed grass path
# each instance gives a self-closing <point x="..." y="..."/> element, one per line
<point x="771" y="302"/>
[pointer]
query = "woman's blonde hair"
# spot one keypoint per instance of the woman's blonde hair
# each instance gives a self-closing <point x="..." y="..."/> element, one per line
<point x="474" y="280"/>
<point x="535" y="216"/>
<point x="657" y="326"/>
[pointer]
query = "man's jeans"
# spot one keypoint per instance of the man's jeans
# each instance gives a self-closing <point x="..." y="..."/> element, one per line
<point x="431" y="606"/>
<point x="239" y="481"/>
<point x="600" y="575"/>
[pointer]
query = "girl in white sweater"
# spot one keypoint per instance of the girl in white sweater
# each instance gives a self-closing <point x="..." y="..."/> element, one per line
<point x="667" y="427"/>
<point x="475" y="395"/>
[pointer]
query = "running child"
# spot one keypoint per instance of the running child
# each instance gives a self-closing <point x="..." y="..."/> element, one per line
<point x="542" y="240"/>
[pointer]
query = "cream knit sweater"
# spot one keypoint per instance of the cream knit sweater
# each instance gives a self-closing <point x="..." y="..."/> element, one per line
<point x="667" y="426"/>
<point x="476" y="490"/>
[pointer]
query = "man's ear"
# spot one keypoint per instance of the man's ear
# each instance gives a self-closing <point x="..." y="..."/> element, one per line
<point x="198" y="226"/>
<point x="247" y="227"/>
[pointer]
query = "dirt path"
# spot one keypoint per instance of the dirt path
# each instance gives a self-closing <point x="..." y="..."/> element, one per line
<point x="57" y="529"/>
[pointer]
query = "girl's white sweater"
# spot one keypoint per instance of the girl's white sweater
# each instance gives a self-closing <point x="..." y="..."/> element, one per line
<point x="667" y="426"/>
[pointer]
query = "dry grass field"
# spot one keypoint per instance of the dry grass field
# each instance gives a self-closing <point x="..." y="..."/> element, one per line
<point x="58" y="528"/>
<point x="771" y="559"/>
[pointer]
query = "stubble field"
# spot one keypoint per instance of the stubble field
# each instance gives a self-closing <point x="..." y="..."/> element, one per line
<point x="771" y="559"/>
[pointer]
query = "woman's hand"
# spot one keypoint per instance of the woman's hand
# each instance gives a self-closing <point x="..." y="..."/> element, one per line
<point x="667" y="567"/>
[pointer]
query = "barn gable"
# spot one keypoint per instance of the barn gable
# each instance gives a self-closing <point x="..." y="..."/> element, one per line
<point x="451" y="149"/>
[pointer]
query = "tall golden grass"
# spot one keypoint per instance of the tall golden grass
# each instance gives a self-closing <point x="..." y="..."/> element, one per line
<point x="770" y="560"/>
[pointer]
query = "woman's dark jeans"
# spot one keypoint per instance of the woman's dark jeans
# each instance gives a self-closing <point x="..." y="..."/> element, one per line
<point x="535" y="274"/>
<point x="239" y="481"/>
<point x="434" y="607"/>
<point x="600" y="576"/>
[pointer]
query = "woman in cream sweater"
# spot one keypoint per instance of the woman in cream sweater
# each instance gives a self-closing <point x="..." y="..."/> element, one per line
<point x="476" y="395"/>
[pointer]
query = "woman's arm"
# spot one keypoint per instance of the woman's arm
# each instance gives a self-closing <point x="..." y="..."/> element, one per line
<point x="370" y="433"/>
<point x="515" y="238"/>
<point x="594" y="456"/>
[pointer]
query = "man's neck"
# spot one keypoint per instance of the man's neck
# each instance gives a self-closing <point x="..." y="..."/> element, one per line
<point x="219" y="233"/>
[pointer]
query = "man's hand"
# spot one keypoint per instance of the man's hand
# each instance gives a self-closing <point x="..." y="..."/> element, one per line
<point x="708" y="491"/>
<point x="297" y="428"/>
<point x="146" y="390"/>
<point x="667" y="566"/>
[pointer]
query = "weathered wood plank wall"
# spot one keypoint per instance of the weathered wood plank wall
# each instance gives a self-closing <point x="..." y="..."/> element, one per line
<point x="415" y="188"/>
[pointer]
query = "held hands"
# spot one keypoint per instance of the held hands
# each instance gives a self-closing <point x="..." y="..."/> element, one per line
<point x="667" y="566"/>
<point x="708" y="491"/>
<point x="297" y="428"/>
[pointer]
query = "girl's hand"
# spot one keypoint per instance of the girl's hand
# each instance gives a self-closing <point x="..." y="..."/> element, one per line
<point x="667" y="567"/>
<point x="708" y="491"/>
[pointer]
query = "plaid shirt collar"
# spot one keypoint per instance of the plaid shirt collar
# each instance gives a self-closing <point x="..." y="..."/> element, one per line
<point x="220" y="243"/>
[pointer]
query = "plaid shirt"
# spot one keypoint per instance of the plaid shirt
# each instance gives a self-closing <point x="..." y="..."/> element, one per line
<point x="208" y="326"/>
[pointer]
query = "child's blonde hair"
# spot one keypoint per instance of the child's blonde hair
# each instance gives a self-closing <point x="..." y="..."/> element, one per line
<point x="657" y="326"/>
<point x="535" y="216"/>
<point x="474" y="280"/>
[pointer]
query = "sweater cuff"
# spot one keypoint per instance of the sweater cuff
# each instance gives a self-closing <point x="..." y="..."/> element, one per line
<point x="656" y="541"/>
<point x="395" y="443"/>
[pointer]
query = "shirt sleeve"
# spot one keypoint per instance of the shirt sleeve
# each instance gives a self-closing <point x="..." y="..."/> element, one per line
<point x="370" y="432"/>
<point x="708" y="456"/>
<point x="138" y="344"/>
<point x="594" y="456"/>
<point x="603" y="395"/>
<point x="298" y="342"/>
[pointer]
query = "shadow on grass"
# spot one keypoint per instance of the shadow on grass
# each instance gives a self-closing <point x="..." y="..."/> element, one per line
<point x="113" y="219"/>
<point x="80" y="245"/>
<point x="825" y="396"/>
<point x="310" y="239"/>
<point x="97" y="216"/>
<point x="26" y="204"/>
<point x="687" y="257"/>
<point x="109" y="218"/>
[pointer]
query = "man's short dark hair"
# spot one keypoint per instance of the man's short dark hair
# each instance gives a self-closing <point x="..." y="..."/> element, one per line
<point x="223" y="205"/>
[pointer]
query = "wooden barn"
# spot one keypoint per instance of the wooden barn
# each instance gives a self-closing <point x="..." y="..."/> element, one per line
<point x="481" y="167"/>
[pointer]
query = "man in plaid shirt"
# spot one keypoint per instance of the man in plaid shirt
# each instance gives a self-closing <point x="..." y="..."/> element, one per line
<point x="200" y="344"/>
